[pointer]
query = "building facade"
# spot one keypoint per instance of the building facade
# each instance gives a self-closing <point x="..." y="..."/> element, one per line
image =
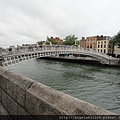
<point x="104" y="46"/>
<point x="83" y="43"/>
<point x="56" y="39"/>
<point x="91" y="42"/>
<point x="100" y="44"/>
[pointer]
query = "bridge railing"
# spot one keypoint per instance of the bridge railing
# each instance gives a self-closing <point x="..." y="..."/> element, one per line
<point x="28" y="49"/>
<point x="33" y="49"/>
<point x="11" y="56"/>
<point x="24" y="49"/>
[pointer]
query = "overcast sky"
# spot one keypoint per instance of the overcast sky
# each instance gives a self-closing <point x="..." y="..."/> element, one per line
<point x="29" y="21"/>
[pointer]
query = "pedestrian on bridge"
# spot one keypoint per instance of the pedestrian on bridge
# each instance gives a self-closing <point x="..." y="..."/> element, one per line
<point x="18" y="49"/>
<point x="10" y="50"/>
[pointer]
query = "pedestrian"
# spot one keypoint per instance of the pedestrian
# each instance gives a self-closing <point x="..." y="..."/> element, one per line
<point x="10" y="50"/>
<point x="17" y="48"/>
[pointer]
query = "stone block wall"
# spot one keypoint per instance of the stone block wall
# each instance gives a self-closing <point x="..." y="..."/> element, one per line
<point x="20" y="95"/>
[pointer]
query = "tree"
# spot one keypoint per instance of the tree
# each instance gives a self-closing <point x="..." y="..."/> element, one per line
<point x="70" y="40"/>
<point x="40" y="42"/>
<point x="53" y="41"/>
<point x="78" y="42"/>
<point x="116" y="39"/>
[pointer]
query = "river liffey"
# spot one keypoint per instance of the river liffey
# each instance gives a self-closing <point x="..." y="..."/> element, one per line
<point x="95" y="84"/>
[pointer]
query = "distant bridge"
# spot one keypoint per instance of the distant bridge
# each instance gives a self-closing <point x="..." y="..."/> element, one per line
<point x="9" y="57"/>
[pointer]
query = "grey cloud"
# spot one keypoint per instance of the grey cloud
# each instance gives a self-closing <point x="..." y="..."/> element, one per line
<point x="27" y="21"/>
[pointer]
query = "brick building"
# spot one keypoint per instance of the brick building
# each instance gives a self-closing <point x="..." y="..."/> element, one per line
<point x="57" y="39"/>
<point x="83" y="42"/>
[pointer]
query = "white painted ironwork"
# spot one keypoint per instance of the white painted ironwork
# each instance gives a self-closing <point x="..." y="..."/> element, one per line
<point x="25" y="53"/>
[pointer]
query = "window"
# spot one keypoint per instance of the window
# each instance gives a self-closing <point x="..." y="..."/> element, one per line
<point x="104" y="51"/>
<point x="90" y="45"/>
<point x="101" y="51"/>
<point x="98" y="46"/>
<point x="104" y="45"/>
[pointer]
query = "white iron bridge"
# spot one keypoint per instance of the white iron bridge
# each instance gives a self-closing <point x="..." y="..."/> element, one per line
<point x="25" y="53"/>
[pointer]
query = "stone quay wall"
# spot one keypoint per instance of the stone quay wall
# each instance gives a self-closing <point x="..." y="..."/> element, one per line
<point x="20" y="95"/>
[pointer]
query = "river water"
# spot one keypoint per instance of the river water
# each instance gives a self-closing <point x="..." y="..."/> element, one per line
<point x="95" y="84"/>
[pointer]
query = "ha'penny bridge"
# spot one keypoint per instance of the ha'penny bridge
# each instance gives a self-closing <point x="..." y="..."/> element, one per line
<point x="20" y="95"/>
<point x="25" y="53"/>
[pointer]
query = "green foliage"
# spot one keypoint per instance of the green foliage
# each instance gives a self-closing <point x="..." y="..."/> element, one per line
<point x="47" y="43"/>
<point x="40" y="42"/>
<point x="53" y="41"/>
<point x="116" y="39"/>
<point x="70" y="40"/>
<point x="78" y="42"/>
